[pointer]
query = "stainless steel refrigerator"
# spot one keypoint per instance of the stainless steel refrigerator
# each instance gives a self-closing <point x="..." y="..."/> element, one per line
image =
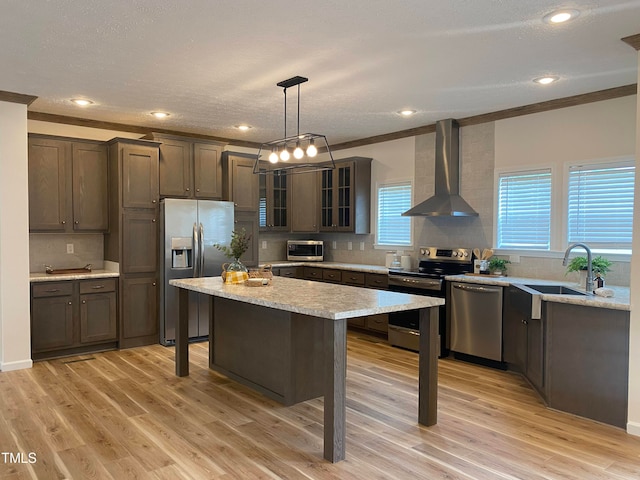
<point x="188" y="231"/>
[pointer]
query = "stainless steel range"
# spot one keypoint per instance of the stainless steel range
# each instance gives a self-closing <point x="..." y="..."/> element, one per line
<point x="428" y="279"/>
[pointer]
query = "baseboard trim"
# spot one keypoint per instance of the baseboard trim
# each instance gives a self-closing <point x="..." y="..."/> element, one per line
<point x="633" y="428"/>
<point x="19" y="365"/>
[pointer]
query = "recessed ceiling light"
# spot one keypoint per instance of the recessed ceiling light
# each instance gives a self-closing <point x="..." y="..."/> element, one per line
<point x="82" y="102"/>
<point x="560" y="16"/>
<point x="160" y="114"/>
<point x="406" y="112"/>
<point x="244" y="128"/>
<point x="546" y="80"/>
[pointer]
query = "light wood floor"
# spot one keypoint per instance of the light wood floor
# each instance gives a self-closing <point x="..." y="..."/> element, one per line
<point x="125" y="415"/>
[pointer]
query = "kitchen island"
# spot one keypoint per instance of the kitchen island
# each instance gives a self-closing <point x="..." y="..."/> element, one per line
<point x="312" y="313"/>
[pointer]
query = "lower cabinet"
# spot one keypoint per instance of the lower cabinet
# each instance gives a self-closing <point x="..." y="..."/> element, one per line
<point x="139" y="311"/>
<point x="72" y="317"/>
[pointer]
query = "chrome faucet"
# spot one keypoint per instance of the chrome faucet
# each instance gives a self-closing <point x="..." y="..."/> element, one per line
<point x="589" y="285"/>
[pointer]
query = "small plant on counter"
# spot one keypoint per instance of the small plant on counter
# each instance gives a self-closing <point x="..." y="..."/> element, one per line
<point x="498" y="265"/>
<point x="238" y="245"/>
<point x="598" y="265"/>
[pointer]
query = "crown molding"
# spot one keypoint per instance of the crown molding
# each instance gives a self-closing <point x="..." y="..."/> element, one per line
<point x="633" y="40"/>
<point x="16" y="98"/>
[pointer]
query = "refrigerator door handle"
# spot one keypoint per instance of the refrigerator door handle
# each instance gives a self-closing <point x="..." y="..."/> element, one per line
<point x="196" y="249"/>
<point x="201" y="250"/>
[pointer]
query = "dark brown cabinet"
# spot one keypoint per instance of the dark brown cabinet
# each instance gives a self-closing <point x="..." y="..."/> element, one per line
<point x="68" y="185"/>
<point x="140" y="237"/>
<point x="241" y="186"/>
<point x="189" y="168"/>
<point x="523" y="338"/>
<point x="140" y="308"/>
<point x="304" y="202"/>
<point x="345" y="196"/>
<point x="274" y="202"/>
<point x="133" y="239"/>
<point x="72" y="317"/>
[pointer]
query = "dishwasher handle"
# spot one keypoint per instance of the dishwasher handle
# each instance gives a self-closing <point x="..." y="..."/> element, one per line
<point x="470" y="288"/>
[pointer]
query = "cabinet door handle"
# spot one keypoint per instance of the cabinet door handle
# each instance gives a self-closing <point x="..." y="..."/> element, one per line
<point x="154" y="220"/>
<point x="63" y="222"/>
<point x="76" y="222"/>
<point x="97" y="287"/>
<point x="154" y="284"/>
<point x="69" y="303"/>
<point x="197" y="189"/>
<point x="84" y="301"/>
<point x="187" y="189"/>
<point x="53" y="290"/>
<point x="153" y="201"/>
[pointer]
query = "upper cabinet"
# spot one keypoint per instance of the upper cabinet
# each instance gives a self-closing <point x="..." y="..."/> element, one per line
<point x="274" y="202"/>
<point x="304" y="202"/>
<point x="189" y="168"/>
<point x="345" y="196"/>
<point x="68" y="185"/>
<point x="240" y="186"/>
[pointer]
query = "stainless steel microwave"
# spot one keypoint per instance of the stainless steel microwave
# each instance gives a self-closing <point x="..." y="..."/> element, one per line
<point x="305" y="250"/>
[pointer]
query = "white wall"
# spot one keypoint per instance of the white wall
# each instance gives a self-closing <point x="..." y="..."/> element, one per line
<point x="633" y="420"/>
<point x="15" y="350"/>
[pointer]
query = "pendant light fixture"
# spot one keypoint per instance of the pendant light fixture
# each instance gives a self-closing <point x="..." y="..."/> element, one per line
<point x="297" y="153"/>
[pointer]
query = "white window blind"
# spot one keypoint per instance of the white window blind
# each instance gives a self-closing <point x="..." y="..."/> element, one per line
<point x="600" y="208"/>
<point x="524" y="210"/>
<point x="392" y="227"/>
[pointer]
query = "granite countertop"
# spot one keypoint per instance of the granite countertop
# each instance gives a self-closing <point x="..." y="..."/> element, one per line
<point x="620" y="300"/>
<point x="46" y="277"/>
<point x="354" y="267"/>
<point x="308" y="297"/>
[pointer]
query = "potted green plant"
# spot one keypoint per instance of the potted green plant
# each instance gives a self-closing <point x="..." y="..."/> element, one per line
<point x="598" y="265"/>
<point x="498" y="266"/>
<point x="238" y="245"/>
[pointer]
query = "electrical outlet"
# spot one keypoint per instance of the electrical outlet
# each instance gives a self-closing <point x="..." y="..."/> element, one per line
<point x="514" y="258"/>
<point x="264" y="244"/>
<point x="362" y="246"/>
<point x="334" y="245"/>
<point x="349" y="245"/>
<point x="69" y="247"/>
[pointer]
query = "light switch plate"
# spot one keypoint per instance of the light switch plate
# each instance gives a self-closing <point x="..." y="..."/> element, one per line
<point x="514" y="258"/>
<point x="69" y="247"/>
<point x="334" y="245"/>
<point x="349" y="245"/>
<point x="361" y="245"/>
<point x="264" y="244"/>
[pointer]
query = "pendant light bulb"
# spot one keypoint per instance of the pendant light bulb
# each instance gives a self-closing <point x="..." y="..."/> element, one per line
<point x="273" y="156"/>
<point x="284" y="154"/>
<point x="298" y="152"/>
<point x="312" y="151"/>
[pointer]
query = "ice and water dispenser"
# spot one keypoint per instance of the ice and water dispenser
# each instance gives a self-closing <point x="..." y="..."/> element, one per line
<point x="181" y="252"/>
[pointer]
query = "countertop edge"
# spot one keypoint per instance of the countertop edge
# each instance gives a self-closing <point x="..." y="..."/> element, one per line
<point x="46" y="277"/>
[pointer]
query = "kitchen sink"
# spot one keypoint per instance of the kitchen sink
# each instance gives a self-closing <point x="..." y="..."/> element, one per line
<point x="555" y="289"/>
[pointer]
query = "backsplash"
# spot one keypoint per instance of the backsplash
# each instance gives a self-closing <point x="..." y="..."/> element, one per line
<point x="51" y="249"/>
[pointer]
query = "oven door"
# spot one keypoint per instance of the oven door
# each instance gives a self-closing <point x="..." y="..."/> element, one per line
<point x="404" y="327"/>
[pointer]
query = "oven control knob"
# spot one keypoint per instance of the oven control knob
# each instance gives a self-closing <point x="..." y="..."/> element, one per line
<point x="455" y="254"/>
<point x="423" y="251"/>
<point x="466" y="254"/>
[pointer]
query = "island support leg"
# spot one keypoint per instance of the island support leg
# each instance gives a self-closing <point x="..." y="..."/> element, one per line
<point x="428" y="367"/>
<point x="182" y="334"/>
<point x="335" y="361"/>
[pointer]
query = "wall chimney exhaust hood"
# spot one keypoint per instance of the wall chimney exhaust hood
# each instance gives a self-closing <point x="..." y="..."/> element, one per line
<point x="447" y="200"/>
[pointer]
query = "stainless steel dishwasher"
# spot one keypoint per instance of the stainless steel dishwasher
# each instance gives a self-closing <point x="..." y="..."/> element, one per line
<point x="476" y="320"/>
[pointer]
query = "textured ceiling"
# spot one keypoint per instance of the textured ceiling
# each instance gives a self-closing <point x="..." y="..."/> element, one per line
<point x="215" y="64"/>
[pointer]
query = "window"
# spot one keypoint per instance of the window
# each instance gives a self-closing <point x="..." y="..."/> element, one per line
<point x="524" y="210"/>
<point x="600" y="205"/>
<point x="392" y="227"/>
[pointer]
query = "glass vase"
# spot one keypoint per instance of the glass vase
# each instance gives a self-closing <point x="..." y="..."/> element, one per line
<point x="236" y="266"/>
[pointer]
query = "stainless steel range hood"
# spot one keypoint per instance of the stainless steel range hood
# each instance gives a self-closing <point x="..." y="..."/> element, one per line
<point x="447" y="200"/>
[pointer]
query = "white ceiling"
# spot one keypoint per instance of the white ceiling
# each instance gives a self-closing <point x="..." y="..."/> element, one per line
<point x="214" y="64"/>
